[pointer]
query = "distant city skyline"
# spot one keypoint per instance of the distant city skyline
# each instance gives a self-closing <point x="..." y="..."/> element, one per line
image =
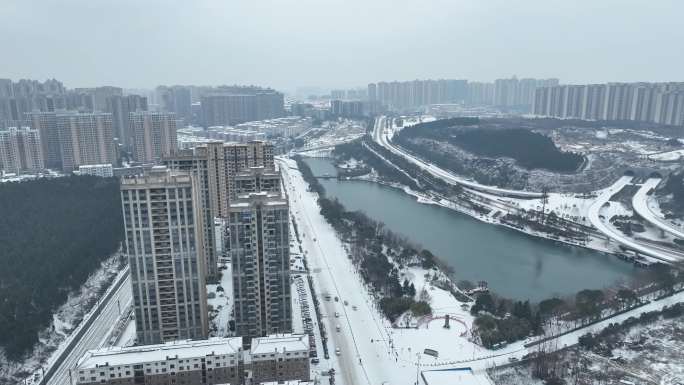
<point x="344" y="44"/>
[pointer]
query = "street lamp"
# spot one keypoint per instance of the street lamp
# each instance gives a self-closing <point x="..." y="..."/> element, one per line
<point x="417" y="367"/>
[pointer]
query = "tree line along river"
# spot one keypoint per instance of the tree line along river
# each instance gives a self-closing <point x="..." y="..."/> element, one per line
<point x="514" y="265"/>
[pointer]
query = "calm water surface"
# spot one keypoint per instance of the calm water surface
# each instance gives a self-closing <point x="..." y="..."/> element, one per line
<point x="513" y="264"/>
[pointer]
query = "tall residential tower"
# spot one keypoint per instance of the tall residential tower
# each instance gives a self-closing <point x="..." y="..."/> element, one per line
<point x="259" y="250"/>
<point x="164" y="227"/>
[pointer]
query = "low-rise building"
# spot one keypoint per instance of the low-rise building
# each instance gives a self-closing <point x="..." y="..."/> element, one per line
<point x="279" y="358"/>
<point x="214" y="361"/>
<point x="103" y="170"/>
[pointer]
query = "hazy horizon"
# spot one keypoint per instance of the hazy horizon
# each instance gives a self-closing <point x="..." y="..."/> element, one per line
<point x="341" y="44"/>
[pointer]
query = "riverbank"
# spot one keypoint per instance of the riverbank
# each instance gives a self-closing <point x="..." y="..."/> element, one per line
<point x="595" y="245"/>
<point x="518" y="267"/>
<point x="394" y="352"/>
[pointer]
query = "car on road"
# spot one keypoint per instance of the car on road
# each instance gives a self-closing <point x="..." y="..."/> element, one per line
<point x="338" y="328"/>
<point x="337" y="351"/>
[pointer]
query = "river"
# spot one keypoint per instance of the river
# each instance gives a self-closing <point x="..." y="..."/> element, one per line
<point x="514" y="265"/>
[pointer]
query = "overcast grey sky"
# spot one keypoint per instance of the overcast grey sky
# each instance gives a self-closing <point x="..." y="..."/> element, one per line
<point x="338" y="43"/>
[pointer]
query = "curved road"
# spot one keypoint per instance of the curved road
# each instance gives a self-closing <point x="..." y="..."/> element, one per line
<point x="380" y="137"/>
<point x="616" y="235"/>
<point x="640" y="205"/>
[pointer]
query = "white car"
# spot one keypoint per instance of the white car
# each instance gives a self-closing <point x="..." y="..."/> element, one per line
<point x="337" y="315"/>
<point x="337" y="351"/>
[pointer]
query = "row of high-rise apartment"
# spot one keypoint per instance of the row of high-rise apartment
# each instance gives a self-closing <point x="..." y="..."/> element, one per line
<point x="216" y="165"/>
<point x="511" y="92"/>
<point x="164" y="227"/>
<point x="154" y="134"/>
<point x="84" y="138"/>
<point x="169" y="217"/>
<point x="515" y="92"/>
<point x="400" y="95"/>
<point x="72" y="139"/>
<point x="351" y="94"/>
<point x="661" y="103"/>
<point x="176" y="99"/>
<point x="121" y="107"/>
<point x="233" y="105"/>
<point x="20" y="150"/>
<point x="26" y="96"/>
<point x="100" y="95"/>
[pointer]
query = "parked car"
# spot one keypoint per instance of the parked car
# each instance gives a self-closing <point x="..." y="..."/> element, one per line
<point x="337" y="351"/>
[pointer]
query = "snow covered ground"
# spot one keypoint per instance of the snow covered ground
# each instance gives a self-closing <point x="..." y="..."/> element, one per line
<point x="221" y="302"/>
<point x="647" y="209"/>
<point x="669" y="156"/>
<point x="66" y="320"/>
<point x="595" y="215"/>
<point x="372" y="351"/>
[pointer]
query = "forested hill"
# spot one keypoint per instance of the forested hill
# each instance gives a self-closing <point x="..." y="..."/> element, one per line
<point x="53" y="234"/>
<point x="529" y="149"/>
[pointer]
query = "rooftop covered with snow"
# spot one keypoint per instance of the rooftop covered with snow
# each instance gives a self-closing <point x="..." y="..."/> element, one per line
<point x="151" y="353"/>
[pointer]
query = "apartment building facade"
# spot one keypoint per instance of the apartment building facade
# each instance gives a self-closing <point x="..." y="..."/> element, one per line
<point x="21" y="150"/>
<point x="213" y="361"/>
<point x="258" y="246"/>
<point x="85" y="138"/>
<point x="216" y="165"/>
<point x="164" y="225"/>
<point x="155" y="135"/>
<point x="661" y="103"/>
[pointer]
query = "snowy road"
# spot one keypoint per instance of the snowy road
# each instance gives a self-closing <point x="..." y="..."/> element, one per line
<point x="371" y="351"/>
<point x="380" y="137"/>
<point x="97" y="332"/>
<point x="640" y="205"/>
<point x="594" y="217"/>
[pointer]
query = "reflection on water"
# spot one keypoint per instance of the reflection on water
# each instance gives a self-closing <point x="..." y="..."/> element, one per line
<point x="514" y="265"/>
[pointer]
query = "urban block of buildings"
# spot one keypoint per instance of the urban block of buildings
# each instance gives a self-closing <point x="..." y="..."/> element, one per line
<point x="215" y="165"/>
<point x="155" y="135"/>
<point x="233" y="105"/>
<point x="101" y="170"/>
<point x="510" y="93"/>
<point x="20" y="150"/>
<point x="661" y="103"/>
<point x="274" y="358"/>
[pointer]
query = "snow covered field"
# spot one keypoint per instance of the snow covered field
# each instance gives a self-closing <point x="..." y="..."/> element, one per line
<point x="669" y="156"/>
